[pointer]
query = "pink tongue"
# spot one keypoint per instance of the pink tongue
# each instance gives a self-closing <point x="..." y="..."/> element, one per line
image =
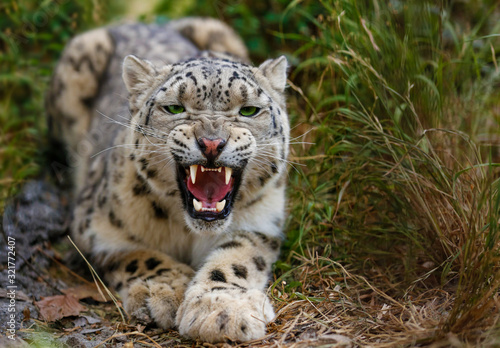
<point x="210" y="186"/>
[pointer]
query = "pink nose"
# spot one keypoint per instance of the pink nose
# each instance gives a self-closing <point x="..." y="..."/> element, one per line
<point x="211" y="148"/>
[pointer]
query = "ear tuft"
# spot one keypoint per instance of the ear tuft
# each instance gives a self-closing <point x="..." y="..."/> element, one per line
<point x="275" y="70"/>
<point x="138" y="74"/>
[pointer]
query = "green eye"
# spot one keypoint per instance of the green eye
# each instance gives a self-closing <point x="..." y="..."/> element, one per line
<point x="249" y="110"/>
<point x="174" y="109"/>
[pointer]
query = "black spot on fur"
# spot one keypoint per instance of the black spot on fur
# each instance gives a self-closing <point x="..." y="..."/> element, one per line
<point x="132" y="279"/>
<point x="231" y="244"/>
<point x="222" y="320"/>
<point x="245" y="236"/>
<point x="215" y="288"/>
<point x="239" y="287"/>
<point x="88" y="102"/>
<point x="87" y="223"/>
<point x="141" y="187"/>
<point x="151" y="173"/>
<point x="151" y="263"/>
<point x="144" y="163"/>
<point x="102" y="200"/>
<point x="262" y="237"/>
<point x="259" y="263"/>
<point x="243" y="328"/>
<point x="131" y="267"/>
<point x="217" y="276"/>
<point x="274" y="168"/>
<point x="162" y="270"/>
<point x="113" y="220"/>
<point x="240" y="271"/>
<point x="263" y="179"/>
<point x="160" y="213"/>
<point x="150" y="277"/>
<point x="118" y="286"/>
<point x="132" y="238"/>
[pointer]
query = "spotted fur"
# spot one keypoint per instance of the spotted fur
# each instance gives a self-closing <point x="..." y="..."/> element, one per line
<point x="107" y="105"/>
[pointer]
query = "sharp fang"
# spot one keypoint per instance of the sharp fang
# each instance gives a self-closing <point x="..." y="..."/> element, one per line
<point x="229" y="172"/>
<point x="219" y="169"/>
<point x="193" y="169"/>
<point x="197" y="205"/>
<point x="202" y="169"/>
<point x="220" y="205"/>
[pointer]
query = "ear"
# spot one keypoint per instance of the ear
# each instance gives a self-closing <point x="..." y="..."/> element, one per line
<point x="138" y="74"/>
<point x="275" y="71"/>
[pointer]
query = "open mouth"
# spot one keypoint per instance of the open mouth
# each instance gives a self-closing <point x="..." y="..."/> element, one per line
<point x="208" y="192"/>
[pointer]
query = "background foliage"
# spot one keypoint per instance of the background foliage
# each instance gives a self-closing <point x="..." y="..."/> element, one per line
<point x="396" y="110"/>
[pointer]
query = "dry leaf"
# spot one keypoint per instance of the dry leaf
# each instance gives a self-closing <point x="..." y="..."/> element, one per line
<point x="86" y="291"/>
<point x="26" y="313"/>
<point x="56" y="307"/>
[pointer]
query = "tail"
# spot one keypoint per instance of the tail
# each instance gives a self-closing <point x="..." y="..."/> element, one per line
<point x="211" y="35"/>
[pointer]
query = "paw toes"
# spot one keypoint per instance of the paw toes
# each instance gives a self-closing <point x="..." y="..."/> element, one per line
<point x="237" y="319"/>
<point x="148" y="302"/>
<point x="163" y="305"/>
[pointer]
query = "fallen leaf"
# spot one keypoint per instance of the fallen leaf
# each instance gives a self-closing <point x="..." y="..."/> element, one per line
<point x="86" y="291"/>
<point x="26" y="313"/>
<point x="56" y="307"/>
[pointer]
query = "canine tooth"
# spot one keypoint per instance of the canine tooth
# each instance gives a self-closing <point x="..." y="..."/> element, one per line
<point x="197" y="205"/>
<point x="193" y="169"/>
<point x="203" y="169"/>
<point x="229" y="172"/>
<point x="220" y="205"/>
<point x="219" y="169"/>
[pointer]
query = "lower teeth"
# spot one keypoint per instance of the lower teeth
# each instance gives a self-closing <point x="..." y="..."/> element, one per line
<point x="198" y="206"/>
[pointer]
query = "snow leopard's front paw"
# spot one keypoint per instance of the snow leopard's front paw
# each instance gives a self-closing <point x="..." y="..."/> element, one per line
<point x="151" y="284"/>
<point x="220" y="313"/>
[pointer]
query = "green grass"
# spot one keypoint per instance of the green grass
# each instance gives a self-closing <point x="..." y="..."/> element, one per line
<point x="395" y="108"/>
<point x="32" y="36"/>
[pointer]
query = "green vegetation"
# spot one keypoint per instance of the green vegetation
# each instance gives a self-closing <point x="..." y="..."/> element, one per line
<point x="32" y="36"/>
<point x="394" y="190"/>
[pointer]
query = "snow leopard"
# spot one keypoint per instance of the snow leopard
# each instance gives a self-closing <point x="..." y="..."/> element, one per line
<point x="178" y="149"/>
